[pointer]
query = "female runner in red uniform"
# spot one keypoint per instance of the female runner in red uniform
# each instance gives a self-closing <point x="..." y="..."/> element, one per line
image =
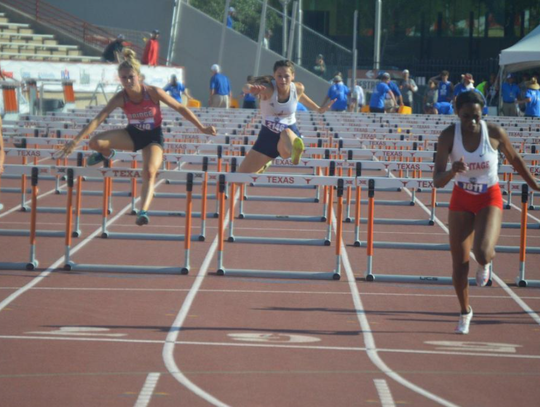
<point x="476" y="204"/>
<point x="140" y="103"/>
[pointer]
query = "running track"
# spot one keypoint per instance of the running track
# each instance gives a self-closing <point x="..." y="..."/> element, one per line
<point x="110" y="339"/>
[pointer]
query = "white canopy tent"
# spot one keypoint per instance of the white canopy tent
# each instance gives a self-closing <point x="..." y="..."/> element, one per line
<point x="523" y="55"/>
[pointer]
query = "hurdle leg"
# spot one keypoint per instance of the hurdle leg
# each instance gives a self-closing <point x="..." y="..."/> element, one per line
<point x="339" y="230"/>
<point x="232" y="188"/>
<point x="104" y="212"/>
<point x="521" y="281"/>
<point x="330" y="200"/>
<point x="241" y="204"/>
<point x="187" y="233"/>
<point x="24" y="208"/>
<point x="371" y="214"/>
<point x="433" y="205"/>
<point x="69" y="219"/>
<point x="221" y="224"/>
<point x="133" y="189"/>
<point x="33" y="263"/>
<point x="204" y="197"/>
<point x="357" y="217"/>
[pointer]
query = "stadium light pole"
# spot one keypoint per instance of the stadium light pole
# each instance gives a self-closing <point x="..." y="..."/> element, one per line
<point x="355" y="34"/>
<point x="262" y="28"/>
<point x="299" y="45"/>
<point x="377" y="47"/>
<point x="175" y="23"/>
<point x="285" y="3"/>
<point x="223" y="32"/>
<point x="291" y="33"/>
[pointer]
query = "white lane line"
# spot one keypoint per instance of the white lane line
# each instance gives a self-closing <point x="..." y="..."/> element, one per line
<point x="168" y="349"/>
<point x="148" y="389"/>
<point x="499" y="281"/>
<point x="385" y="395"/>
<point x="369" y="339"/>
<point x="179" y="290"/>
<point x="272" y="346"/>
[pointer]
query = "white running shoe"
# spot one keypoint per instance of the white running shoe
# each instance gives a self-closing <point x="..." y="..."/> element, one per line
<point x="464" y="322"/>
<point x="482" y="275"/>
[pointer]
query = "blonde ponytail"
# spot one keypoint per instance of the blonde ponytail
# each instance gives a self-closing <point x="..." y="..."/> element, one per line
<point x="130" y="61"/>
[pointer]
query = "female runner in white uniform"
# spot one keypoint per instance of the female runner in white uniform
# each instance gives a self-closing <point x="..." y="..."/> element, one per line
<point x="475" y="214"/>
<point x="279" y="135"/>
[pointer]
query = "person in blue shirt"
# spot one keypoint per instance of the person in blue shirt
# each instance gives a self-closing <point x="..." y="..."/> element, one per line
<point x="249" y="99"/>
<point x="220" y="89"/>
<point x="532" y="99"/>
<point x="376" y="103"/>
<point x="444" y="87"/>
<point x="338" y="92"/>
<point x="301" y="108"/>
<point x="510" y="95"/>
<point x="176" y="89"/>
<point x="230" y="15"/>
<point x="466" y="85"/>
<point x="445" y="108"/>
<point x="398" y="98"/>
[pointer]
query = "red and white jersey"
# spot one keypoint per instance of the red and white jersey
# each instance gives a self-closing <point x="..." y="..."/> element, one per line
<point x="482" y="163"/>
<point x="145" y="115"/>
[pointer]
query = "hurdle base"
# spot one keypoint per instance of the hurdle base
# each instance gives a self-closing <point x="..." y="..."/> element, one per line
<point x="278" y="199"/>
<point x="148" y="236"/>
<point x="178" y="214"/>
<point x="39" y="233"/>
<point x="70" y="266"/>
<point x="392" y="278"/>
<point x="294" y="218"/>
<point x="527" y="283"/>
<point x="380" y="221"/>
<point x="282" y="241"/>
<point x="19" y="266"/>
<point x="406" y="246"/>
<point x="311" y="275"/>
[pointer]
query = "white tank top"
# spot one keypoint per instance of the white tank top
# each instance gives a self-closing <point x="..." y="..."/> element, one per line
<point x="482" y="163"/>
<point x="277" y="116"/>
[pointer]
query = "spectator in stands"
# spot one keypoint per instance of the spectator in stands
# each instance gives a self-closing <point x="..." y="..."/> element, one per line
<point x="408" y="88"/>
<point x="444" y="86"/>
<point x="476" y="206"/>
<point x="510" y="95"/>
<point x="376" y="103"/>
<point x="220" y="89"/>
<point x="357" y="99"/>
<point x="320" y="67"/>
<point x="279" y="136"/>
<point x="532" y="99"/>
<point x="176" y="89"/>
<point x="151" y="51"/>
<point x="141" y="104"/>
<point x="266" y="40"/>
<point x="466" y="85"/>
<point x="301" y="108"/>
<point x="249" y="99"/>
<point x="339" y="93"/>
<point x="230" y="15"/>
<point x="431" y="95"/>
<point x="113" y="51"/>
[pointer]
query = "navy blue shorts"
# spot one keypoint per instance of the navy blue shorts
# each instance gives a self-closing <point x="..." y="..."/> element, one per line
<point x="143" y="138"/>
<point x="267" y="141"/>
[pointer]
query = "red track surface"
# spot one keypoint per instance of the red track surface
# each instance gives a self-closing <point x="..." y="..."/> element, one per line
<point x="76" y="338"/>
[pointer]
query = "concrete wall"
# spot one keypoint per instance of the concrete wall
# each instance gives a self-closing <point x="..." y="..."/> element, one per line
<point x="199" y="40"/>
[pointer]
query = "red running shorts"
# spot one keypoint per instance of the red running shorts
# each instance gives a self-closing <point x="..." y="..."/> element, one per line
<point x="464" y="201"/>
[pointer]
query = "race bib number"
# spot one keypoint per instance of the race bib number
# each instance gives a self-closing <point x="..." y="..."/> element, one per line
<point x="146" y="125"/>
<point x="473" y="188"/>
<point x="276" y="127"/>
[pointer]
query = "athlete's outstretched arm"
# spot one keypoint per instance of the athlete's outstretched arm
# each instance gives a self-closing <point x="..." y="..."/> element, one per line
<point x="116" y="101"/>
<point x="513" y="157"/>
<point x="310" y="104"/>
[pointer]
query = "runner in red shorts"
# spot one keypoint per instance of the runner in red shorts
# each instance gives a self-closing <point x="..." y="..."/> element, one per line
<point x="475" y="214"/>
